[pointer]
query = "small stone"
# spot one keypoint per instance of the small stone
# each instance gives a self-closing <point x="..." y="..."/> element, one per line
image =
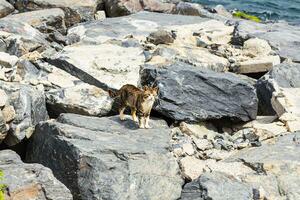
<point x="160" y="37"/>
<point x="178" y="152"/>
<point x="191" y="167"/>
<point x="203" y="144"/>
<point x="7" y="60"/>
<point x="100" y="15"/>
<point x="9" y="113"/>
<point x="188" y="149"/>
<point x="3" y="98"/>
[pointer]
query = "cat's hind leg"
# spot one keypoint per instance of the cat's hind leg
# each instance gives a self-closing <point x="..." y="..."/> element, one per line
<point x="133" y="113"/>
<point x="121" y="111"/>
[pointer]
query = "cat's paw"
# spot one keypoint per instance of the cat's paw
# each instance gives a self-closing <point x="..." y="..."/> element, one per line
<point x="141" y="126"/>
<point x="147" y="127"/>
<point x="122" y="118"/>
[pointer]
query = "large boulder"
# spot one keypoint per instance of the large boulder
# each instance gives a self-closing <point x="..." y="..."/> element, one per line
<point x="187" y="93"/>
<point x="105" y="158"/>
<point x="5" y="8"/>
<point x="47" y="20"/>
<point x="75" y="11"/>
<point x="29" y="181"/>
<point x="20" y="38"/>
<point x="82" y="99"/>
<point x="25" y="107"/>
<point x="284" y="38"/>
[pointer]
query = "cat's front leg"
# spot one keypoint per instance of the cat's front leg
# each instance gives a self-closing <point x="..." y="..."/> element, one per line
<point x="142" y="122"/>
<point x="147" y="122"/>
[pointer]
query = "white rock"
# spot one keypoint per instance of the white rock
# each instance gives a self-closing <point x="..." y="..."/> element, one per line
<point x="7" y="60"/>
<point x="3" y="98"/>
<point x="257" y="47"/>
<point x="188" y="149"/>
<point x="191" y="167"/>
<point x="100" y="15"/>
<point x="203" y="144"/>
<point x="9" y="113"/>
<point x="201" y="130"/>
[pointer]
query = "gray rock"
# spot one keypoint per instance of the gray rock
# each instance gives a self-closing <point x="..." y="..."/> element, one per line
<point x="46" y="21"/>
<point x="195" y="9"/>
<point x="215" y="96"/>
<point x="285" y="75"/>
<point x="5" y="8"/>
<point x="75" y="11"/>
<point x="30" y="108"/>
<point x="278" y="158"/>
<point x="160" y="37"/>
<point x="81" y="99"/>
<point x="284" y="38"/>
<point x="20" y="38"/>
<point x="29" y="181"/>
<point x="105" y="158"/>
<point x="115" y="8"/>
<point x="217" y="186"/>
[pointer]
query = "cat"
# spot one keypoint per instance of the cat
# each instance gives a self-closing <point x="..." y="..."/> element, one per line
<point x="139" y="100"/>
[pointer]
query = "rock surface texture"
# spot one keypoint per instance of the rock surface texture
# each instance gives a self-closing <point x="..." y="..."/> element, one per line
<point x="29" y="181"/>
<point x="105" y="158"/>
<point x="190" y="94"/>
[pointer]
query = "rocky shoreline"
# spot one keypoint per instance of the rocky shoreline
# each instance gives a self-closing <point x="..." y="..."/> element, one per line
<point x="226" y="124"/>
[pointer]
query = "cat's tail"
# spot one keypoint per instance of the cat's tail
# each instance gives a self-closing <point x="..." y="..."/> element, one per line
<point x="114" y="94"/>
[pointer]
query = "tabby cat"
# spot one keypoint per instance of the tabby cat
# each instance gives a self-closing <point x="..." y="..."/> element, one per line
<point x="140" y="102"/>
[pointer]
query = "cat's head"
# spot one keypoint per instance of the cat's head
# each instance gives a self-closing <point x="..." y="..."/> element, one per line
<point x="150" y="93"/>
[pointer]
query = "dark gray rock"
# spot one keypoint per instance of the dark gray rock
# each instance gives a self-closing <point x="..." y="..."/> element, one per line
<point x="105" y="158"/>
<point x="22" y="38"/>
<point x="187" y="93"/>
<point x="284" y="38"/>
<point x="285" y="75"/>
<point x="195" y="9"/>
<point x="30" y="108"/>
<point x="216" y="186"/>
<point x="29" y="181"/>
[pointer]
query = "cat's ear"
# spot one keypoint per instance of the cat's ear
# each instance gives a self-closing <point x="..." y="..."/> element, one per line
<point x="145" y="87"/>
<point x="155" y="89"/>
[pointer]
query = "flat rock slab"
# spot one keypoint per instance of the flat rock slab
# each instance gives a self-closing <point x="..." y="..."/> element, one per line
<point x="29" y="181"/>
<point x="283" y="37"/>
<point x="46" y="20"/>
<point x="30" y="108"/>
<point x="76" y="11"/>
<point x="105" y="158"/>
<point x="187" y="93"/>
<point x="82" y="99"/>
<point x="105" y="65"/>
